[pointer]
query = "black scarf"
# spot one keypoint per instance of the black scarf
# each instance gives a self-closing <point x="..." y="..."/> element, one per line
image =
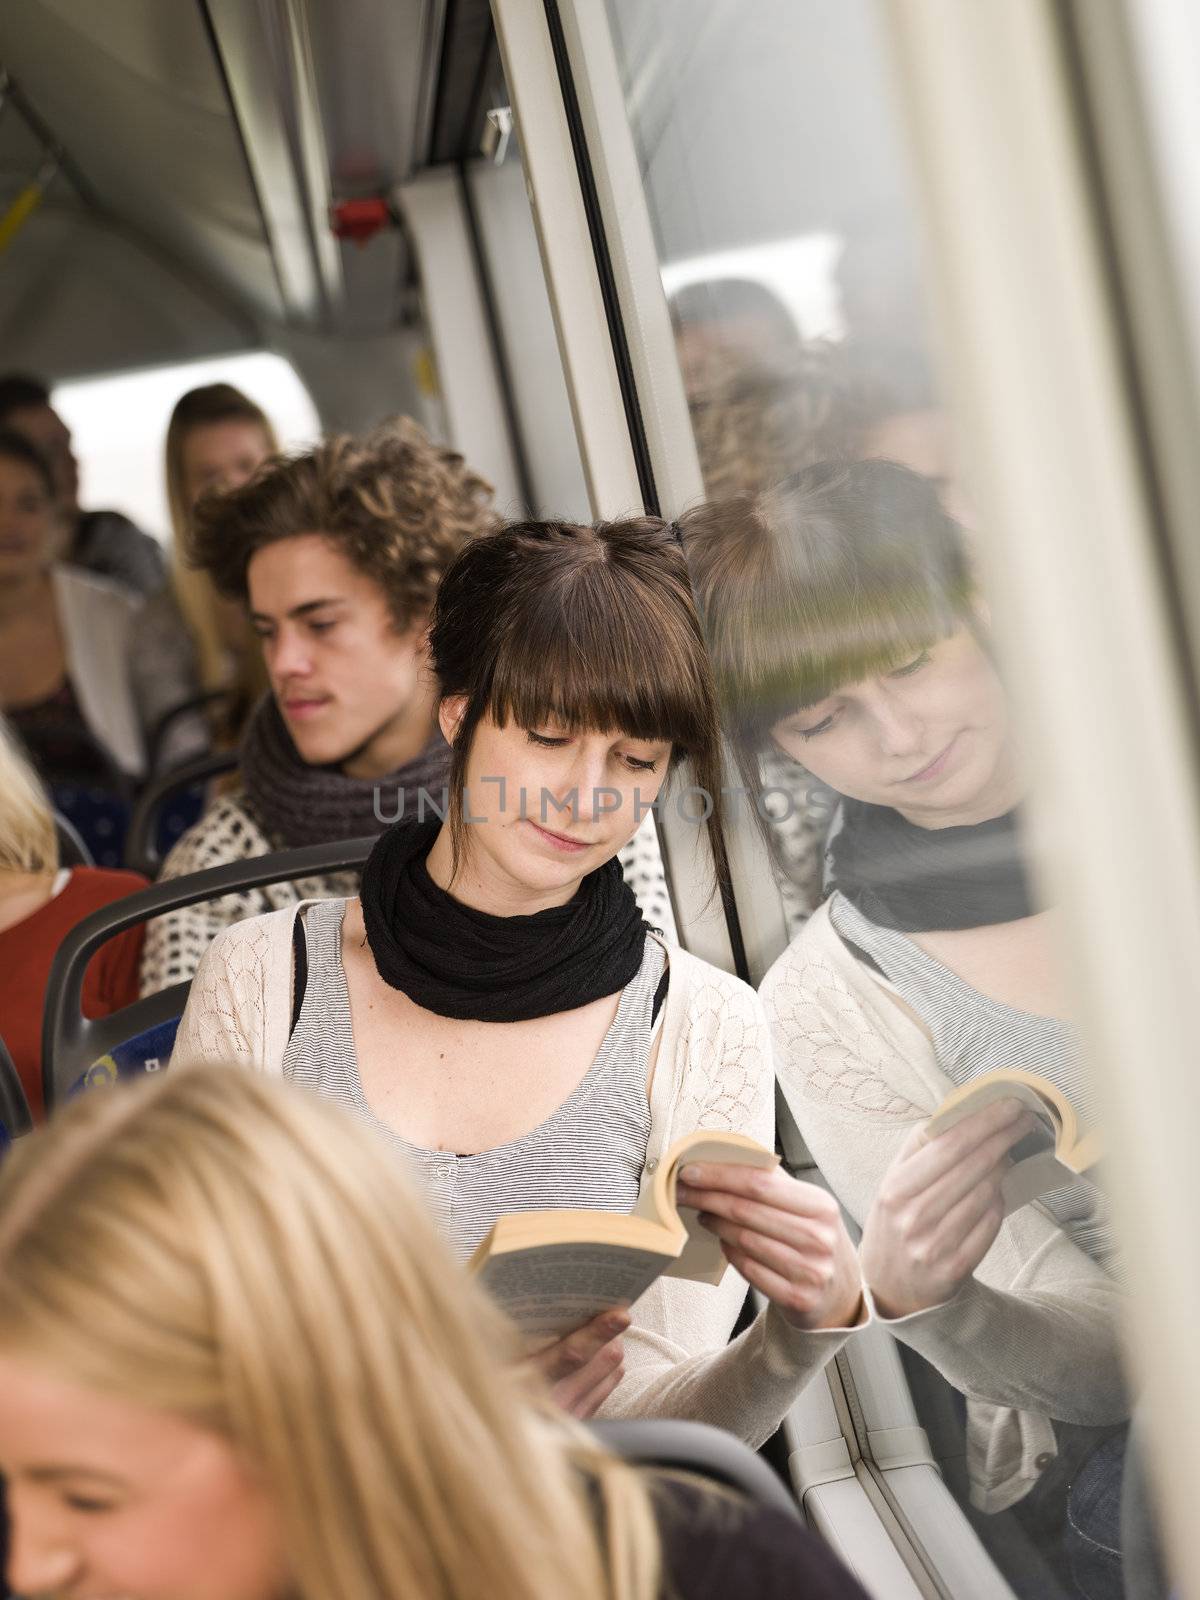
<point x="918" y="880"/>
<point x="459" y="962"/>
<point x="298" y="804"/>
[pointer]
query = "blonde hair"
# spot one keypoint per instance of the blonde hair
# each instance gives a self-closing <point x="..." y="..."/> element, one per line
<point x="28" y="839"/>
<point x="194" y="591"/>
<point x="222" y="1247"/>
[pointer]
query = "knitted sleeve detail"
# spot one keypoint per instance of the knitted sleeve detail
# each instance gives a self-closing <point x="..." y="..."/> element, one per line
<point x="679" y="1361"/>
<point x="725" y="1041"/>
<point x="827" y="1045"/>
<point x="225" y="1019"/>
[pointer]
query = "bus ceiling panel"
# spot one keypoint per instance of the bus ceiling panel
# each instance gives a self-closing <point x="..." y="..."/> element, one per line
<point x="81" y="297"/>
<point x="334" y="102"/>
<point x="132" y="92"/>
<point x="376" y="77"/>
<point x="266" y="54"/>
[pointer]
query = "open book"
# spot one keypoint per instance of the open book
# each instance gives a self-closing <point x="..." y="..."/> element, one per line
<point x="552" y="1271"/>
<point x="1055" y="1153"/>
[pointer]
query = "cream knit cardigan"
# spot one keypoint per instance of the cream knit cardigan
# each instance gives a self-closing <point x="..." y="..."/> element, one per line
<point x="1033" y="1334"/>
<point x="713" y="1071"/>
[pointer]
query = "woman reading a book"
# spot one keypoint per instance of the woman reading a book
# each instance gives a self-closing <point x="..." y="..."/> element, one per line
<point x="495" y="1008"/>
<point x="847" y="634"/>
<point x="236" y="1363"/>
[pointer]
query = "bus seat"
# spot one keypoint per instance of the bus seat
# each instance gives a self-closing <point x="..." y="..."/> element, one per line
<point x="148" y="1051"/>
<point x="72" y="852"/>
<point x="167" y="807"/>
<point x="185" y="712"/>
<point x="98" y="817"/>
<point x="14" y="1108"/>
<point x="695" y="1447"/>
<point x="80" y="1052"/>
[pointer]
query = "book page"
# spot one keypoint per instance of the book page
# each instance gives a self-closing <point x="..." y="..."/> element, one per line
<point x="554" y="1288"/>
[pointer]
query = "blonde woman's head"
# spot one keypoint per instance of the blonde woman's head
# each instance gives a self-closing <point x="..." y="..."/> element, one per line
<point x="217" y="440"/>
<point x="28" y="841"/>
<point x="236" y="1363"/>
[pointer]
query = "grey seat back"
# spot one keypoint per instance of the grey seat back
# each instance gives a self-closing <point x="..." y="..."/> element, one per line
<point x="71" y="1042"/>
<point x="694" y="1447"/>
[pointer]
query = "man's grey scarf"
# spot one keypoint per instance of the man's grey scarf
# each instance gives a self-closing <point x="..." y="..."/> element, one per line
<point x="298" y="804"/>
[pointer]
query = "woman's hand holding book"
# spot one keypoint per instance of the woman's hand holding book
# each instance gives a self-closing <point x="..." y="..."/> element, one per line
<point x="786" y="1238"/>
<point x="583" y="1368"/>
<point x="939" y="1209"/>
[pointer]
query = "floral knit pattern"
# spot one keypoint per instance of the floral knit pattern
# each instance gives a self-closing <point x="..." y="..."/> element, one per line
<point x="726" y="1044"/>
<point x="821" y="1026"/>
<point x="223" y="992"/>
<point x="229" y="831"/>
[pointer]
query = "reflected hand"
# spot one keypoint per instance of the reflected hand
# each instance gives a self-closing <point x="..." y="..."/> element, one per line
<point x="585" y="1366"/>
<point x="786" y="1238"/>
<point x="939" y="1208"/>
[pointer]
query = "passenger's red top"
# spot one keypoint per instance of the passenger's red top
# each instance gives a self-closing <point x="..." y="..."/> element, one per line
<point x="27" y="950"/>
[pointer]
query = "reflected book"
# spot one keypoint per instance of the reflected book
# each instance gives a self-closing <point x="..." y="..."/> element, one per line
<point x="1057" y="1152"/>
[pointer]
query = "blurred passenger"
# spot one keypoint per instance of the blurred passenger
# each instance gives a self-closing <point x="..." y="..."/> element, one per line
<point x="736" y="316"/>
<point x="39" y="905"/>
<point x="256" y="1372"/>
<point x="337" y="553"/>
<point x="79" y="680"/>
<point x="847" y="630"/>
<point x="217" y="440"/>
<point x="104" y="542"/>
<point x="757" y="418"/>
<point x="496" y="992"/>
<point x="762" y="400"/>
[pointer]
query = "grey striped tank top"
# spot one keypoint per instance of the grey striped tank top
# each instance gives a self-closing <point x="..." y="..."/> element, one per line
<point x="588" y="1154"/>
<point x="973" y="1034"/>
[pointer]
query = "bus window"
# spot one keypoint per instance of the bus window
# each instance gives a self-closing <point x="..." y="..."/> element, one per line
<point x="836" y="564"/>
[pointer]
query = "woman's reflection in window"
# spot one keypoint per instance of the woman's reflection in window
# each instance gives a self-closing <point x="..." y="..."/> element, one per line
<point x="848" y="634"/>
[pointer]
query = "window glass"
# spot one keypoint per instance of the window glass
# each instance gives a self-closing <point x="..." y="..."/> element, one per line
<point x="835" y="562"/>
<point x="119" y="426"/>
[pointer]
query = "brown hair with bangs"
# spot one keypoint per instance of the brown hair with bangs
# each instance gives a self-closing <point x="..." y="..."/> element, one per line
<point x="396" y="505"/>
<point x="591" y="627"/>
<point x="841" y="571"/>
